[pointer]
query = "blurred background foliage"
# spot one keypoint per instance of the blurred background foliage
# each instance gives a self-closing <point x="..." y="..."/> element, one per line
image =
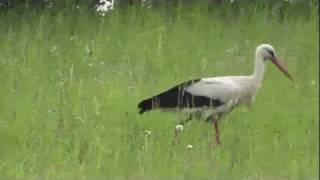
<point x="281" y="9"/>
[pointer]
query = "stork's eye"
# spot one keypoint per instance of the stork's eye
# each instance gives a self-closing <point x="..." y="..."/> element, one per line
<point x="271" y="53"/>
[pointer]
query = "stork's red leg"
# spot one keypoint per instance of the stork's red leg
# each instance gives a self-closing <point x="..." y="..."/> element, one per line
<point x="216" y="127"/>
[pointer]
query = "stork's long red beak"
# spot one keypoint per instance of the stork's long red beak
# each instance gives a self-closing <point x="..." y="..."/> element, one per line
<point x="276" y="61"/>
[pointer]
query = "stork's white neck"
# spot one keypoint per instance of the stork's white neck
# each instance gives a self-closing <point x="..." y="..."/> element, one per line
<point x="258" y="69"/>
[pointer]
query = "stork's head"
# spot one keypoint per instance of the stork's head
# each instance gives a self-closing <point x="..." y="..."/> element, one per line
<point x="266" y="52"/>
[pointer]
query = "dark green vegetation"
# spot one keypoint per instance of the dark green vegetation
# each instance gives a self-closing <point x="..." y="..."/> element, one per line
<point x="70" y="83"/>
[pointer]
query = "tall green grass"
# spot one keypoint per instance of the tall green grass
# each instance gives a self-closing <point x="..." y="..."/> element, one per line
<point x="70" y="83"/>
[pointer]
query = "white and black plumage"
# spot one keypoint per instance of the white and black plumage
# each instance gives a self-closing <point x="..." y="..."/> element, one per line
<point x="210" y="98"/>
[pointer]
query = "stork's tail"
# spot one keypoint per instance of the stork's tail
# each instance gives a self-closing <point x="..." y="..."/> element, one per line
<point x="145" y="105"/>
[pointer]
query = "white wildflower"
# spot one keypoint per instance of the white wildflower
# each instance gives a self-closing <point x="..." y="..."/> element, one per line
<point x="54" y="48"/>
<point x="309" y="131"/>
<point x="313" y="82"/>
<point x="179" y="127"/>
<point x="147" y="132"/>
<point x="189" y="146"/>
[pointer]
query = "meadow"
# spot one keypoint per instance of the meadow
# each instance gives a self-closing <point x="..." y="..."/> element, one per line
<point x="70" y="82"/>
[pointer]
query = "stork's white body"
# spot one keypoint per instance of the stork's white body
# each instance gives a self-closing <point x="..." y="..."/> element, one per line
<point x="232" y="90"/>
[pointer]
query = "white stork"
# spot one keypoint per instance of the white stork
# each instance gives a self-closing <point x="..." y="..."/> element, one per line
<point x="210" y="98"/>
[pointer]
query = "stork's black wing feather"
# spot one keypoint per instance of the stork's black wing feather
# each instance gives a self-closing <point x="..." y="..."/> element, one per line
<point x="177" y="97"/>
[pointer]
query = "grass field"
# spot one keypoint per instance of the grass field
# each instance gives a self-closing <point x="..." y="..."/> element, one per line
<point x="70" y="83"/>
